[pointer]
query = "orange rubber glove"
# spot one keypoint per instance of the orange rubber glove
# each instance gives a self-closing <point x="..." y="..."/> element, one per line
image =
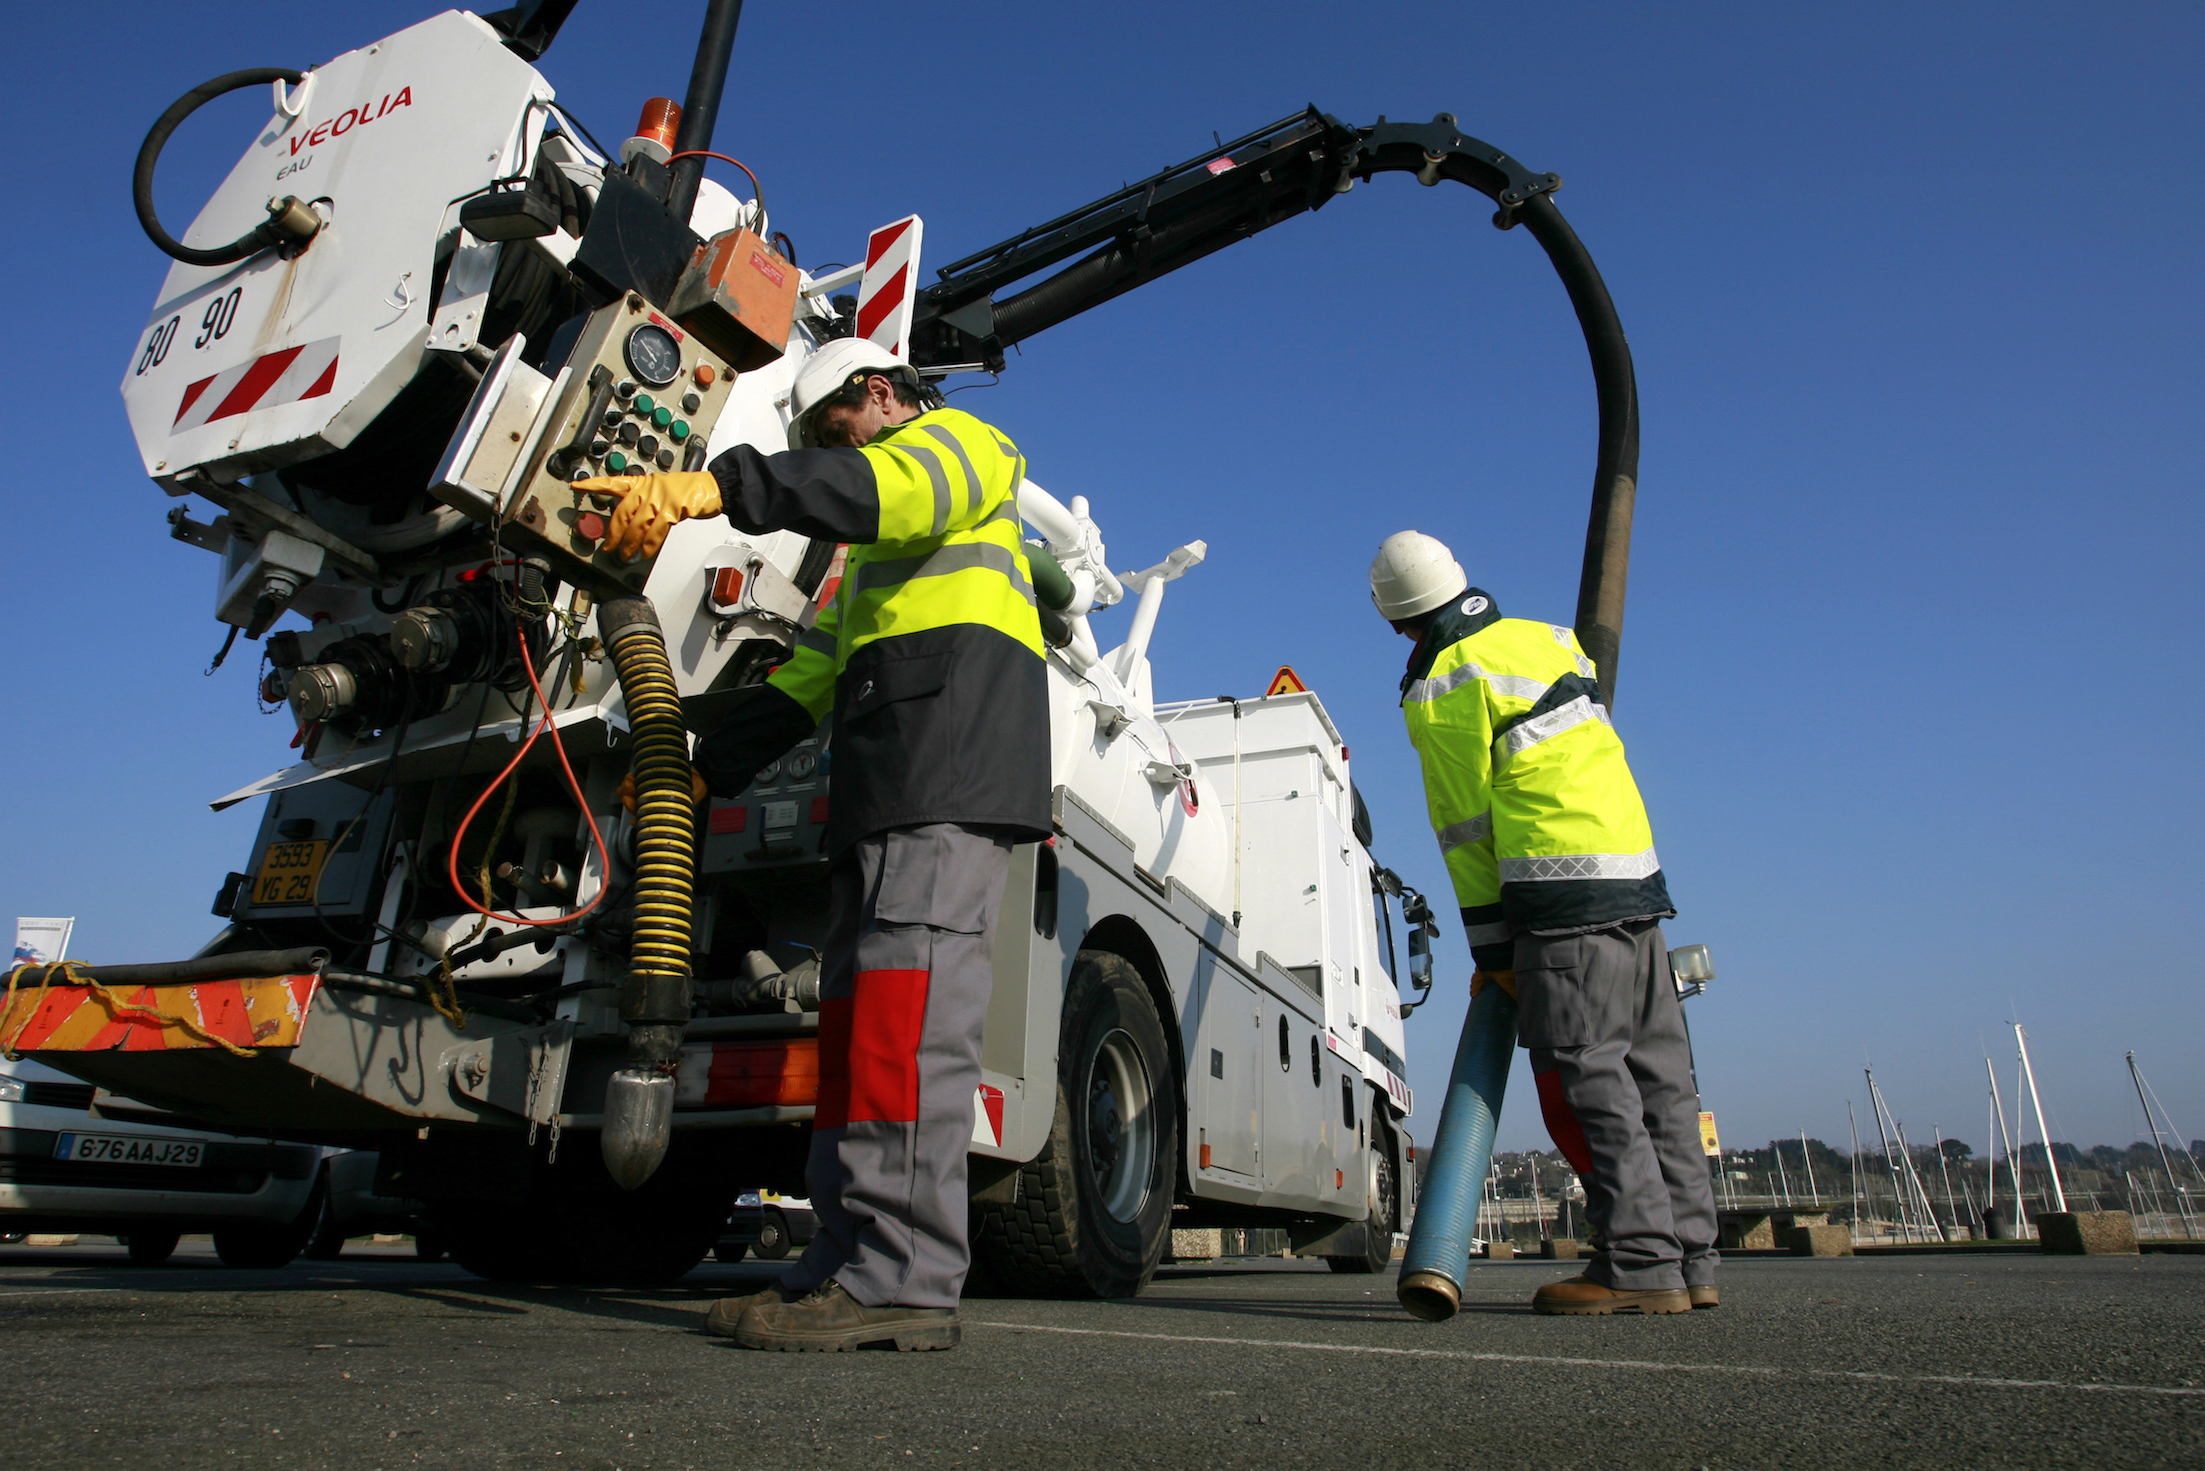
<point x="697" y="790"/>
<point x="651" y="506"/>
<point x="1505" y="979"/>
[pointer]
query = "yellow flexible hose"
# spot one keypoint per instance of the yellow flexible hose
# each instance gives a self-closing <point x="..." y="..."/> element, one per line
<point x="665" y="820"/>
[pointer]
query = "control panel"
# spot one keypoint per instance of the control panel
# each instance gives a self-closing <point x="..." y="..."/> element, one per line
<point x="780" y="818"/>
<point x="641" y="396"/>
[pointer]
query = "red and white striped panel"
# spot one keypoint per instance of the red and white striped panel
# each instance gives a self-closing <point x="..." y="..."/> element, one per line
<point x="890" y="286"/>
<point x="284" y="376"/>
<point x="987" y="1116"/>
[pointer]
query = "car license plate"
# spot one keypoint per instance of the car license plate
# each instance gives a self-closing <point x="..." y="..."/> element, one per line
<point x="122" y="1149"/>
<point x="289" y="872"/>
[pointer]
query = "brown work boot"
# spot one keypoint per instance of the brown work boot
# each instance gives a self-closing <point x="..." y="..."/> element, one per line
<point x="728" y="1311"/>
<point x="829" y="1320"/>
<point x="1704" y="1296"/>
<point x="1583" y="1295"/>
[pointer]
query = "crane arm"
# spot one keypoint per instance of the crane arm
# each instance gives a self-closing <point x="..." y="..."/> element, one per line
<point x="981" y="305"/>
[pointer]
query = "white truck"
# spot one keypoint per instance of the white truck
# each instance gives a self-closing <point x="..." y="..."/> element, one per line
<point x="421" y="307"/>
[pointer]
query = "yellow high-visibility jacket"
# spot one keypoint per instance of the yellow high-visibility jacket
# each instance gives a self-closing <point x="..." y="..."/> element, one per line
<point x="1540" y="823"/>
<point x="930" y="655"/>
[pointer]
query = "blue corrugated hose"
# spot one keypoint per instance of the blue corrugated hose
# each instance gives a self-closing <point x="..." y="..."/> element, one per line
<point x="1447" y="1206"/>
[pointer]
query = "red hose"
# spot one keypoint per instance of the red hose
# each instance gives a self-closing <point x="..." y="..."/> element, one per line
<point x="604" y="860"/>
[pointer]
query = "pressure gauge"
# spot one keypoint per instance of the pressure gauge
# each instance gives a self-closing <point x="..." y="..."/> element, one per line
<point x="653" y="355"/>
<point x="767" y="772"/>
<point x="802" y="765"/>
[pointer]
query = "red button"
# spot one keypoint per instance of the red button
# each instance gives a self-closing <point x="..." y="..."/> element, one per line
<point x="590" y="526"/>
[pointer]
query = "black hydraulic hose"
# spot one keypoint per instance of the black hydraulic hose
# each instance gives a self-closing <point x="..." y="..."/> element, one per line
<point x="253" y="241"/>
<point x="700" y="108"/>
<point x="234" y="965"/>
<point x="1607" y="567"/>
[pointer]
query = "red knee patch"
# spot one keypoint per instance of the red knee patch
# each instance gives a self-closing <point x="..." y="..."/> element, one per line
<point x="1562" y="1125"/>
<point x="869" y="1050"/>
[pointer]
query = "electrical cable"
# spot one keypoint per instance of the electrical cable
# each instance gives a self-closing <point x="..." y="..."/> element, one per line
<point x="758" y="193"/>
<point x="604" y="858"/>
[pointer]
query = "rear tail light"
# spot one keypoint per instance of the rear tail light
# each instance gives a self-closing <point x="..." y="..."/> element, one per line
<point x="780" y="1073"/>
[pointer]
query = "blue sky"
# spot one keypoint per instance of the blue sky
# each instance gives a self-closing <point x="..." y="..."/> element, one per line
<point x="1910" y="674"/>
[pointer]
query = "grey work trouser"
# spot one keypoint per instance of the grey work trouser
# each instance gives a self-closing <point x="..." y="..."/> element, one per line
<point x="903" y="993"/>
<point x="1601" y="1010"/>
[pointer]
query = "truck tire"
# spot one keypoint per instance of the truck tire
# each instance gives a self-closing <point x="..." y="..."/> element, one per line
<point x="1385" y="1203"/>
<point x="773" y="1236"/>
<point x="151" y="1248"/>
<point x="1092" y="1213"/>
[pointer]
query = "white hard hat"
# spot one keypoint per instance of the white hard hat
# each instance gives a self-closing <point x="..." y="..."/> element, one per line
<point x="829" y="370"/>
<point x="1412" y="574"/>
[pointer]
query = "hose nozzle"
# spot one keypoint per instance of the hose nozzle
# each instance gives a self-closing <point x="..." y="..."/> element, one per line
<point x="638" y="1125"/>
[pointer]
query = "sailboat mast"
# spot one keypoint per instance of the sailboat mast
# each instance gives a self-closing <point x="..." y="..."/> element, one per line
<point x="1898" y="1201"/>
<point x="2036" y="1102"/>
<point x="1809" y="1161"/>
<point x="2180" y="1205"/>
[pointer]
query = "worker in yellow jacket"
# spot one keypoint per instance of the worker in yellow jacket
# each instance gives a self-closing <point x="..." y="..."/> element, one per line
<point x="929" y="658"/>
<point x="1547" y="843"/>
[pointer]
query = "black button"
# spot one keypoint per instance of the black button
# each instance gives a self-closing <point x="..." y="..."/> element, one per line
<point x="598" y="448"/>
<point x="690" y="403"/>
<point x="648" y="444"/>
<point x="666" y="459"/>
<point x="629" y="434"/>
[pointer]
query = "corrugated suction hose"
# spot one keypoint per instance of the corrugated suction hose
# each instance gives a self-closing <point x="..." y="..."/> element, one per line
<point x="654" y="1002"/>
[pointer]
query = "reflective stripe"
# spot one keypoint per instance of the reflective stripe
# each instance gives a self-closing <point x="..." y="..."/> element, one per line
<point x="1512" y="685"/>
<point x="959" y="557"/>
<point x="1580" y="866"/>
<point x="972" y="476"/>
<point x="1528" y="733"/>
<point x="1469" y="830"/>
<point x="934" y="472"/>
<point x="1486" y="934"/>
<point x="818" y="641"/>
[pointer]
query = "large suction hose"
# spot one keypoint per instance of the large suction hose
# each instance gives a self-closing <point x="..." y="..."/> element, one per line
<point x="1447" y="1207"/>
<point x="639" y="1101"/>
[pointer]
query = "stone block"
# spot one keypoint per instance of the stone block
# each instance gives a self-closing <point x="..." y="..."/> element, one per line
<point x="1499" y="1251"/>
<point x="1560" y="1249"/>
<point x="1745" y="1230"/>
<point x="1820" y="1241"/>
<point x="1197" y="1245"/>
<point x="2087" y="1233"/>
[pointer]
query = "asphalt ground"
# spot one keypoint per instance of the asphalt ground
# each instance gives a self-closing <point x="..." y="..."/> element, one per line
<point x="377" y="1360"/>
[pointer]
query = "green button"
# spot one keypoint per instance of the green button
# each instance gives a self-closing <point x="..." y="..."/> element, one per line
<point x="643" y="402"/>
<point x="616" y="462"/>
<point x="678" y="430"/>
<point x="662" y="417"/>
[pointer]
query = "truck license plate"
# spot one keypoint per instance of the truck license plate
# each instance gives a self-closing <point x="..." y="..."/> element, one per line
<point x="119" y="1149"/>
<point x="289" y="872"/>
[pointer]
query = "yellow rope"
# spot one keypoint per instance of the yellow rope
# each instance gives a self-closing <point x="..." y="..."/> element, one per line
<point x="73" y="972"/>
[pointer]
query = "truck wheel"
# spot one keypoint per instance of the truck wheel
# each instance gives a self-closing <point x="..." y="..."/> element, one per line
<point x="1093" y="1212"/>
<point x="151" y="1248"/>
<point x="728" y="1253"/>
<point x="1385" y="1204"/>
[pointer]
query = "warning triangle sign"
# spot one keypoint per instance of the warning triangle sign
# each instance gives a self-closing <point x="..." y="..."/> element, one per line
<point x="1286" y="682"/>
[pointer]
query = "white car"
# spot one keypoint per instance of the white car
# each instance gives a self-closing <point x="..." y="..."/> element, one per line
<point x="64" y="1171"/>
